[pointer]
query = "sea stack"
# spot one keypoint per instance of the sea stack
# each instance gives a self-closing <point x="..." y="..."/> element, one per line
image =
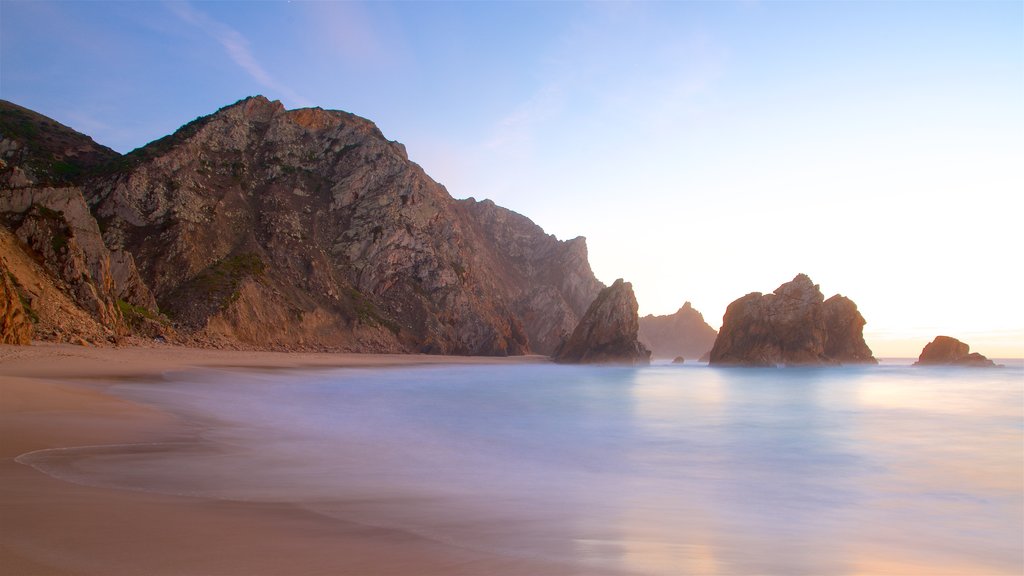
<point x="607" y="333"/>
<point x="682" y="334"/>
<point x="793" y="326"/>
<point x="948" y="351"/>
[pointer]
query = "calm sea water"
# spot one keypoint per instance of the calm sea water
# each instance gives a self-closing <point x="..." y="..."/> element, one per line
<point x="667" y="469"/>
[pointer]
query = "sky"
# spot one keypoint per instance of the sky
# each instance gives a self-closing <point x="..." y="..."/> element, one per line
<point x="705" y="149"/>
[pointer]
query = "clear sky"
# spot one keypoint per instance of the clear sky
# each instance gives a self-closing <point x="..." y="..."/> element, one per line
<point x="705" y="149"/>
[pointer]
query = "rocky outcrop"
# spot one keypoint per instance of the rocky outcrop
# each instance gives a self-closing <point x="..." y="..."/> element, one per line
<point x="684" y="333"/>
<point x="948" y="351"/>
<point x="38" y="151"/>
<point x="792" y="326"/>
<point x="15" y="325"/>
<point x="844" y="331"/>
<point x="608" y="331"/>
<point x="275" y="228"/>
<point x="56" y="225"/>
<point x="47" y="301"/>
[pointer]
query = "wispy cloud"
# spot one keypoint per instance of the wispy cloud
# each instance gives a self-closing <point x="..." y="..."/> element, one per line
<point x="237" y="48"/>
<point x="517" y="129"/>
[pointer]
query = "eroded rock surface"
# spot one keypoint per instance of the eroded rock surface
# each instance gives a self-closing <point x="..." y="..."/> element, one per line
<point x="793" y="326"/>
<point x="946" y="350"/>
<point x="608" y="331"/>
<point x="15" y="325"/>
<point x="291" y="229"/>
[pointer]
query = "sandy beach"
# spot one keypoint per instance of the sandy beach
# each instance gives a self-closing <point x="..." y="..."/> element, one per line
<point x="52" y="396"/>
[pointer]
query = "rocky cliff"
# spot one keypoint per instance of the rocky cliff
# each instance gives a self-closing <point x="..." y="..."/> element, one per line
<point x="15" y="325"/>
<point x="792" y="326"/>
<point x="684" y="333"/>
<point x="263" y="227"/>
<point x="607" y="333"/>
<point x="945" y="350"/>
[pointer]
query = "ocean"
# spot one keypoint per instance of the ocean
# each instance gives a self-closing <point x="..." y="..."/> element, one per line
<point x="660" y="470"/>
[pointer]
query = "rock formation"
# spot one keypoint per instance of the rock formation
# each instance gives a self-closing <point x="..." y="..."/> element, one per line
<point x="792" y="326"/>
<point x="948" y="351"/>
<point x="262" y="227"/>
<point x="15" y="325"/>
<point x="684" y="333"/>
<point x="608" y="331"/>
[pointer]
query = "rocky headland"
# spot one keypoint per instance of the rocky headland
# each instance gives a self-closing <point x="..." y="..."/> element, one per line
<point x="948" y="351"/>
<point x="682" y="334"/>
<point x="607" y="333"/>
<point x="792" y="326"/>
<point x="258" y="227"/>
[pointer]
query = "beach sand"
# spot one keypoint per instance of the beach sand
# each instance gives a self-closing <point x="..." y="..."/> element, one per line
<point x="52" y="396"/>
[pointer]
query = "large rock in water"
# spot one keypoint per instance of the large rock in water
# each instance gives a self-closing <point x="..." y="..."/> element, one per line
<point x="684" y="334"/>
<point x="15" y="325"/>
<point x="948" y="351"/>
<point x="792" y="326"/>
<point x="608" y="331"/>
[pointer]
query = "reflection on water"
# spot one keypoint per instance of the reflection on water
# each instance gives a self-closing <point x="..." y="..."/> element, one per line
<point x="660" y="470"/>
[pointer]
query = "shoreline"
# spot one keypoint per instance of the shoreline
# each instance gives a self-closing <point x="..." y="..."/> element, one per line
<point x="53" y="396"/>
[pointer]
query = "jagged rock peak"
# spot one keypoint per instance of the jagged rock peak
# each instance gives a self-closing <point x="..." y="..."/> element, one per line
<point x="948" y="351"/>
<point x="793" y="326"/>
<point x="607" y="333"/>
<point x="681" y="334"/>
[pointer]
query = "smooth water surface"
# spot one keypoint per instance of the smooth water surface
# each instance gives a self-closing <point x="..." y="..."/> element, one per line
<point x="667" y="469"/>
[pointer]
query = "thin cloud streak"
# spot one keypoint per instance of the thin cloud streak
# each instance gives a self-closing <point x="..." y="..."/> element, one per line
<point x="237" y="48"/>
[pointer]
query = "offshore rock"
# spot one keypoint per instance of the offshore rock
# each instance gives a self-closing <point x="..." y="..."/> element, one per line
<point x="608" y="331"/>
<point x="844" y="328"/>
<point x="792" y="326"/>
<point x="684" y="333"/>
<point x="15" y="325"/>
<point x="948" y="351"/>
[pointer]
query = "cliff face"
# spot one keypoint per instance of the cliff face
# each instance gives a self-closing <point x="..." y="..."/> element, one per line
<point x="793" y="326"/>
<point x="308" y="229"/>
<point x="15" y="325"/>
<point x="945" y="350"/>
<point x="548" y="282"/>
<point x="684" y="334"/>
<point x="608" y="331"/>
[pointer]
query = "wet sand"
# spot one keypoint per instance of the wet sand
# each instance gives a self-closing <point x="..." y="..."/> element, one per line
<point x="52" y="396"/>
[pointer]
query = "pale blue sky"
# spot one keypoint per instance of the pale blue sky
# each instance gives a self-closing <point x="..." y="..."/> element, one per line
<point x="706" y="149"/>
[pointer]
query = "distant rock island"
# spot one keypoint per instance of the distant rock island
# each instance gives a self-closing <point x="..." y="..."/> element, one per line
<point x="948" y="351"/>
<point x="608" y="331"/>
<point x="682" y="334"/>
<point x="258" y="227"/>
<point x="793" y="326"/>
